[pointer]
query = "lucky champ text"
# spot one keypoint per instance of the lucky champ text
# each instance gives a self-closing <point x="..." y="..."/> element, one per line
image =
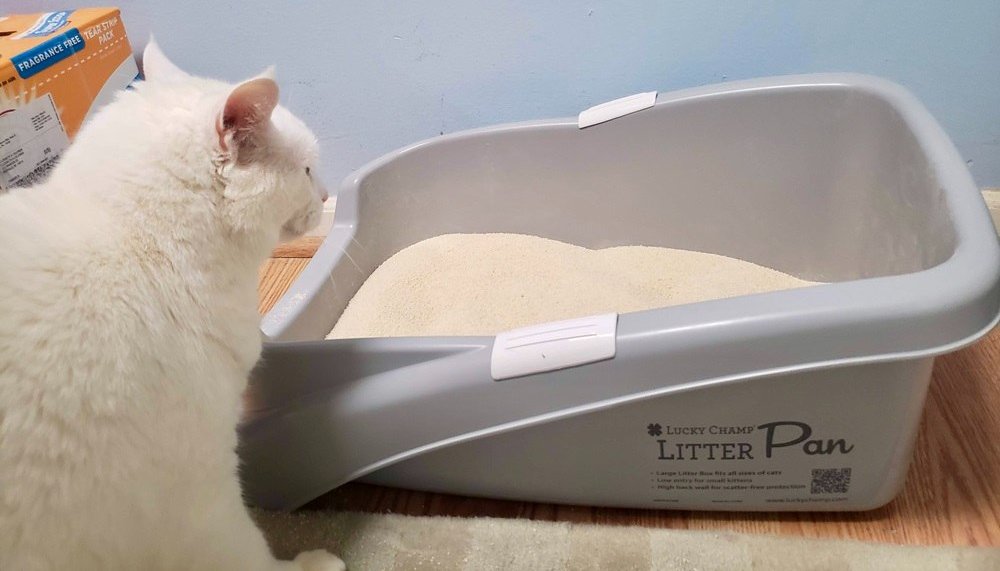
<point x="782" y="434"/>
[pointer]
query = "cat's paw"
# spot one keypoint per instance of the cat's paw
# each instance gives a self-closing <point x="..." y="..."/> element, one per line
<point x="319" y="560"/>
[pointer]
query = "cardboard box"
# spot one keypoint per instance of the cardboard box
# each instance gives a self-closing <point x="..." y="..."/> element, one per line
<point x="56" y="69"/>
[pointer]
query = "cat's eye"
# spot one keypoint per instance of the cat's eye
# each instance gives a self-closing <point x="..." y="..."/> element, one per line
<point x="308" y="172"/>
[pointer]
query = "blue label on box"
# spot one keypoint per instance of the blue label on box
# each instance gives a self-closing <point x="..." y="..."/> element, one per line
<point x="48" y="23"/>
<point x="47" y="54"/>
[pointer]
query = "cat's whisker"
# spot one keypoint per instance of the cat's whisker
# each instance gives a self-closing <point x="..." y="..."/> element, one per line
<point x="346" y="253"/>
<point x="333" y="285"/>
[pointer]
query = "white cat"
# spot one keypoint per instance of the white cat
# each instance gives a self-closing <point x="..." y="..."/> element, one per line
<point x="128" y="325"/>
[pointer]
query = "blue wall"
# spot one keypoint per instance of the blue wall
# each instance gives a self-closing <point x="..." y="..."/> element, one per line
<point x="373" y="76"/>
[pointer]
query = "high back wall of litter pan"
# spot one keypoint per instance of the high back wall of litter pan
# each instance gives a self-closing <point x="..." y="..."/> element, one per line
<point x="805" y="399"/>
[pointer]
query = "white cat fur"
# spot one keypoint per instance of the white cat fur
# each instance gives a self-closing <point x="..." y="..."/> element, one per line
<point x="128" y="325"/>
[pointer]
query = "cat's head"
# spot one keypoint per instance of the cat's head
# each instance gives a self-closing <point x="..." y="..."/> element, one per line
<point x="263" y="159"/>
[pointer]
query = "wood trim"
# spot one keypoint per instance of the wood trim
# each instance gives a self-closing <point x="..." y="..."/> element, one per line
<point x="304" y="247"/>
<point x="992" y="198"/>
<point x="276" y="276"/>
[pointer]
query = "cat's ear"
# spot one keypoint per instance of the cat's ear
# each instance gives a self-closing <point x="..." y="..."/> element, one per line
<point x="246" y="116"/>
<point x="156" y="66"/>
<point x="268" y="73"/>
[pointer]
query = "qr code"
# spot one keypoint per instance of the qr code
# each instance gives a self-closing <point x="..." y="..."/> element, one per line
<point x="831" y="480"/>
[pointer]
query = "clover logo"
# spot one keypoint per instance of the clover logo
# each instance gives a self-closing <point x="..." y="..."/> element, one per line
<point x="654" y="429"/>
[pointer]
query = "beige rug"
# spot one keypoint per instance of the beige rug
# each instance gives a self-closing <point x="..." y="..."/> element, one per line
<point x="370" y="542"/>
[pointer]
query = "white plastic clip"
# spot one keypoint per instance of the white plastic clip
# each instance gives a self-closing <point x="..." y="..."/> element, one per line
<point x="553" y="346"/>
<point x="615" y="109"/>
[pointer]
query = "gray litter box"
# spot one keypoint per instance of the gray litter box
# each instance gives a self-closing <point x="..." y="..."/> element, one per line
<point x="805" y="399"/>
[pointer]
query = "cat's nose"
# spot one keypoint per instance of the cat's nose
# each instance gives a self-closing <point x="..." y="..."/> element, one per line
<point x="323" y="194"/>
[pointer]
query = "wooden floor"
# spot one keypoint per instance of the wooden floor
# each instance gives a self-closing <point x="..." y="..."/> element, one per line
<point x="952" y="493"/>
